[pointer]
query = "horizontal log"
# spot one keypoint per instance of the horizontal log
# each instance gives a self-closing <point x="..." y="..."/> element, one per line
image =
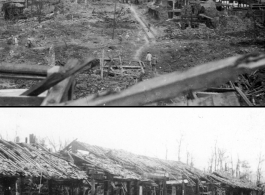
<point x="176" y="83"/>
<point x="171" y="182"/>
<point x="20" y="76"/>
<point x="220" y="90"/>
<point x="17" y="92"/>
<point x="20" y="101"/>
<point x="37" y="70"/>
<point x="128" y="67"/>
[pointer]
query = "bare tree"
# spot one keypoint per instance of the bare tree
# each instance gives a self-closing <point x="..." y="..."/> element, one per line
<point x="238" y="167"/>
<point x="59" y="144"/>
<point x="191" y="161"/>
<point x="210" y="163"/>
<point x="179" y="146"/>
<point x="259" y="169"/>
<point x="232" y="166"/>
<point x="221" y="157"/>
<point x="245" y="174"/>
<point x="215" y="156"/>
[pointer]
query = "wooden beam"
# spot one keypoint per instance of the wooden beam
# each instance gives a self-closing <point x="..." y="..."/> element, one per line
<point x="20" y="101"/>
<point x="106" y="187"/>
<point x="129" y="187"/>
<point x="11" y="68"/>
<point x="136" y="187"/>
<point x="60" y="91"/>
<point x="197" y="187"/>
<point x="55" y="78"/>
<point x="50" y="187"/>
<point x="176" y="83"/>
<point x="183" y="189"/>
<point x="20" y="76"/>
<point x="164" y="186"/>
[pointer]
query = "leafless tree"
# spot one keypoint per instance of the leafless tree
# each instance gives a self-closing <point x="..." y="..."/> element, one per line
<point x="210" y="163"/>
<point x="59" y="144"/>
<point x="259" y="169"/>
<point x="215" y="156"/>
<point x="221" y="157"/>
<point x="179" y="141"/>
<point x="238" y="167"/>
<point x="245" y="174"/>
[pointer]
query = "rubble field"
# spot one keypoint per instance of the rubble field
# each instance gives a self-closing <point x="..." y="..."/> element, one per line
<point x="85" y="30"/>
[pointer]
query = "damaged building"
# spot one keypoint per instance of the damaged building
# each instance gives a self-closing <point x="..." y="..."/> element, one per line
<point x="117" y="172"/>
<point x="31" y="169"/>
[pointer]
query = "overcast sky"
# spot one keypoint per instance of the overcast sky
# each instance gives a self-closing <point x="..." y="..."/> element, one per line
<point x="147" y="131"/>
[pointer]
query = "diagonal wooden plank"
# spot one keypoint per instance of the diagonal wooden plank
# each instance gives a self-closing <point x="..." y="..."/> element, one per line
<point x="176" y="83"/>
<point x="55" y="78"/>
<point x="57" y="93"/>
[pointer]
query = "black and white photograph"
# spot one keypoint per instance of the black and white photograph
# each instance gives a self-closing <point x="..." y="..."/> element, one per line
<point x="132" y="151"/>
<point x="132" y="53"/>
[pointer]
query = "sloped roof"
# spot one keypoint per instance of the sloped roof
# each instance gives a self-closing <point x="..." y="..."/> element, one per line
<point x="132" y="166"/>
<point x="26" y="160"/>
<point x="228" y="179"/>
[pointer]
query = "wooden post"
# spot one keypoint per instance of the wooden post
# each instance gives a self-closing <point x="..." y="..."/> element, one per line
<point x="114" y="19"/>
<point x="164" y="186"/>
<point x="129" y="187"/>
<point x="183" y="187"/>
<point x="136" y="187"/>
<point x="120" y="63"/>
<point x="106" y="187"/>
<point x="102" y="65"/>
<point x="174" y="192"/>
<point x="21" y="185"/>
<point x="140" y="190"/>
<point x="50" y="187"/>
<point x="93" y="190"/>
<point x="197" y="187"/>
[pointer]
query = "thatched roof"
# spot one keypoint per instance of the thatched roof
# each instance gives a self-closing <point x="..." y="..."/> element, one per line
<point x="131" y="166"/>
<point x="228" y="179"/>
<point x="127" y="165"/>
<point x="26" y="160"/>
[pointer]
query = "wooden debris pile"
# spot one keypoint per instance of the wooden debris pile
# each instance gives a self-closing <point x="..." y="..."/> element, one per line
<point x="253" y="86"/>
<point x="21" y="159"/>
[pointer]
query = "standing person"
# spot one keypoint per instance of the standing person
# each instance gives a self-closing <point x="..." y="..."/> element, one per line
<point x="127" y="36"/>
<point x="148" y="58"/>
<point x="120" y="39"/>
<point x="154" y="63"/>
<point x="149" y="26"/>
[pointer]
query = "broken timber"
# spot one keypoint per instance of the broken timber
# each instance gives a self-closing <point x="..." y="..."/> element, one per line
<point x="59" y="92"/>
<point x="174" y="84"/>
<point x="55" y="78"/>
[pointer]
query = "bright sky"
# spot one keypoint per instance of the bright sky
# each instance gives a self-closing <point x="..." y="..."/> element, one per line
<point x="147" y="131"/>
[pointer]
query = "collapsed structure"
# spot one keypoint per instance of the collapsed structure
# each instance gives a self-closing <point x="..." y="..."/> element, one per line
<point x="28" y="169"/>
<point x="122" y="173"/>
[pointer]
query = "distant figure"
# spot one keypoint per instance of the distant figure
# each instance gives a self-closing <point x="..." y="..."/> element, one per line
<point x="28" y="44"/>
<point x="154" y="63"/>
<point x="148" y="58"/>
<point x="127" y="36"/>
<point x="149" y="26"/>
<point x="120" y="39"/>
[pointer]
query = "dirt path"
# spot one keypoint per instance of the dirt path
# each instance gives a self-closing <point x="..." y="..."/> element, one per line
<point x="148" y="37"/>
